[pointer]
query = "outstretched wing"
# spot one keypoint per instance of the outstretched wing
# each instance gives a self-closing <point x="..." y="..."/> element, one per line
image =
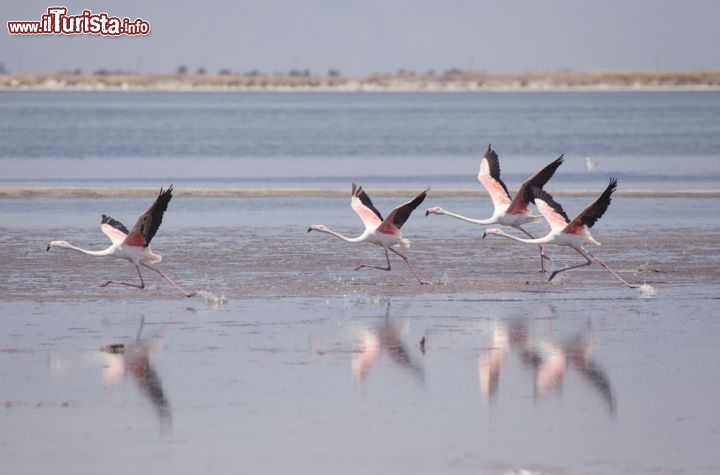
<point x="595" y="210"/>
<point x="489" y="177"/>
<point x="523" y="197"/>
<point x="113" y="229"/>
<point x="148" y="224"/>
<point x="400" y="214"/>
<point x="551" y="210"/>
<point x="363" y="206"/>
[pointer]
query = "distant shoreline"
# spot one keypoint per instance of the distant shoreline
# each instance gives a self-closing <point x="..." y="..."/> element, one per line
<point x="59" y="192"/>
<point x="452" y="81"/>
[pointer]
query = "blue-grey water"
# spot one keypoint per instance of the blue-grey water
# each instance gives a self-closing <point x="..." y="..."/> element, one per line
<point x="659" y="140"/>
<point x="291" y="361"/>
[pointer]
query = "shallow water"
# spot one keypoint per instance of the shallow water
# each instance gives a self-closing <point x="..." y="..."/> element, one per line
<point x="311" y="360"/>
<point x="288" y="359"/>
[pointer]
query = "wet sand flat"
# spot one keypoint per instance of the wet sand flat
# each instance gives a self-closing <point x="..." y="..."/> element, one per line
<point x="293" y="361"/>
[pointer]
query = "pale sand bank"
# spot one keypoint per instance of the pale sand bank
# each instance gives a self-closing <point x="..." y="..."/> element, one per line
<point x="451" y="81"/>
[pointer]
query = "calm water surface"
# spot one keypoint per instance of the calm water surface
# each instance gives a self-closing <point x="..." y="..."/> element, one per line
<point x="292" y="361"/>
<point x="648" y="139"/>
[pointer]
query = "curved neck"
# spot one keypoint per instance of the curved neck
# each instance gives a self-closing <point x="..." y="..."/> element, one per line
<point x="543" y="240"/>
<point x="359" y="238"/>
<point x="491" y="220"/>
<point x="104" y="252"/>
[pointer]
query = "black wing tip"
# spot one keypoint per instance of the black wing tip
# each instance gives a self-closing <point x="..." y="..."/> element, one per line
<point x="114" y="223"/>
<point x="555" y="164"/>
<point x="596" y="210"/>
<point x="490" y="153"/>
<point x="540" y="194"/>
<point x="609" y="190"/>
<point x="165" y="196"/>
<point x="359" y="193"/>
<point x="536" y="192"/>
<point x="541" y="178"/>
<point x="156" y="211"/>
<point x="404" y="211"/>
<point x="612" y="186"/>
<point x="167" y="192"/>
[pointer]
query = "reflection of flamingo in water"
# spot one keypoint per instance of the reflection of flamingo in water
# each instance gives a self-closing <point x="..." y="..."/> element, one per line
<point x="549" y="361"/>
<point x="135" y="357"/>
<point x="133" y="245"/>
<point x="578" y="351"/>
<point x="548" y="358"/>
<point x="509" y="211"/>
<point x="564" y="232"/>
<point x="379" y="231"/>
<point x="490" y="362"/>
<point x="383" y="337"/>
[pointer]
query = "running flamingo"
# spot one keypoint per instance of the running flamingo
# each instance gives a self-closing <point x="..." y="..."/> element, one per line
<point x="379" y="231"/>
<point x="508" y="211"/>
<point x="564" y="232"/>
<point x="133" y="245"/>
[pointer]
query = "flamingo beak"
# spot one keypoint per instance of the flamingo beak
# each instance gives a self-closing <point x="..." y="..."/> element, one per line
<point x="427" y="213"/>
<point x="48" y="247"/>
<point x="484" y="234"/>
<point x="309" y="229"/>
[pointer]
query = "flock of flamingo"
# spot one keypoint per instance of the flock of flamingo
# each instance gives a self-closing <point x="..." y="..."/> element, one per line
<point x="134" y="245"/>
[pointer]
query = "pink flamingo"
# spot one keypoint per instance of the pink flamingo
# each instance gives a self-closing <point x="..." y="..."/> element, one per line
<point x="491" y="361"/>
<point x="133" y="245"/>
<point x="508" y="211"/>
<point x="564" y="232"/>
<point x="379" y="231"/>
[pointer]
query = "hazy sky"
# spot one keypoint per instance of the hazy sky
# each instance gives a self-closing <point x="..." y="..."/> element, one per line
<point x="360" y="37"/>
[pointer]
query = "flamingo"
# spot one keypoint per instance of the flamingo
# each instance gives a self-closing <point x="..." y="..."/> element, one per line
<point x="491" y="361"/>
<point x="135" y="357"/>
<point x="508" y="211"/>
<point x="383" y="337"/>
<point x="564" y="232"/>
<point x="133" y="245"/>
<point x="579" y="352"/>
<point x="379" y="231"/>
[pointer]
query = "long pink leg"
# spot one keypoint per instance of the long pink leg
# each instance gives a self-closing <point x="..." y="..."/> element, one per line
<point x="407" y="261"/>
<point x="572" y="267"/>
<point x="632" y="286"/>
<point x="387" y="256"/>
<point x="361" y="266"/>
<point x="543" y="256"/>
<point x="141" y="285"/>
<point x="186" y="294"/>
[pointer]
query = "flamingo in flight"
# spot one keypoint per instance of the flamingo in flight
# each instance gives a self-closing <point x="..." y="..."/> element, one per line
<point x="381" y="232"/>
<point x="563" y="232"/>
<point x="508" y="211"/>
<point x="133" y="245"/>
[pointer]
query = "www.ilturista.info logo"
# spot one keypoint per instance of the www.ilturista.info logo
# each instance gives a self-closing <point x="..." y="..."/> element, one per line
<point x="57" y="22"/>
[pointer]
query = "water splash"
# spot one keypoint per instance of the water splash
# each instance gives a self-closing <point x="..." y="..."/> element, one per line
<point x="647" y="291"/>
<point x="211" y="300"/>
